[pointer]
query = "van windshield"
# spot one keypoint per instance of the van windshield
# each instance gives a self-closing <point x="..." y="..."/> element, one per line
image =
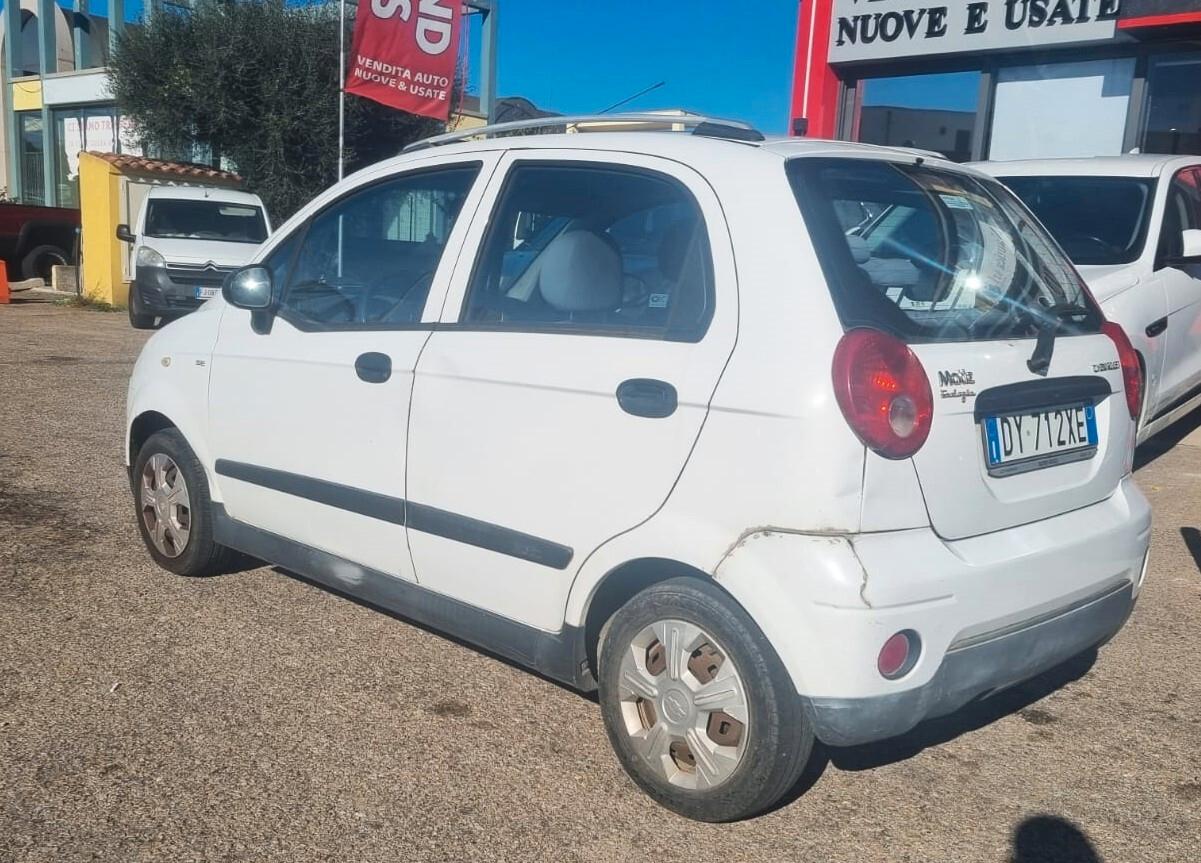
<point x="174" y="218"/>
<point x="936" y="256"/>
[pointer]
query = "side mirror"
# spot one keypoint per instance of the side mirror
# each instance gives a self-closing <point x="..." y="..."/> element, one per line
<point x="249" y="288"/>
<point x="1191" y="243"/>
<point x="125" y="235"/>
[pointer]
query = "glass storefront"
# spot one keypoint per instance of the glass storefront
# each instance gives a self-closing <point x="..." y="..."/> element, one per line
<point x="95" y="128"/>
<point x="1061" y="110"/>
<point x="1173" y="117"/>
<point x="934" y="112"/>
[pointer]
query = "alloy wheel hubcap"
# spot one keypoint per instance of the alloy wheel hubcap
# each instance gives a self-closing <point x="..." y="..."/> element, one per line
<point x="164" y="504"/>
<point x="684" y="704"/>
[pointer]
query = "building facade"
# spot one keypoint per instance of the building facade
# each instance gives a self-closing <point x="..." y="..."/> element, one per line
<point x="1002" y="79"/>
<point x="56" y="99"/>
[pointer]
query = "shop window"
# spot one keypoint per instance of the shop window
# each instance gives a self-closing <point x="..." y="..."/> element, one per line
<point x="33" y="176"/>
<point x="1061" y="110"/>
<point x="1174" y="106"/>
<point x="932" y="112"/>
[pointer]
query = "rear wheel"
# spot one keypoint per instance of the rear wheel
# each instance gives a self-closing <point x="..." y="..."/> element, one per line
<point x="698" y="707"/>
<point x="174" y="510"/>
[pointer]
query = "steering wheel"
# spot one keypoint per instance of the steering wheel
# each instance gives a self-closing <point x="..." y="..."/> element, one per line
<point x="384" y="307"/>
<point x="1088" y="239"/>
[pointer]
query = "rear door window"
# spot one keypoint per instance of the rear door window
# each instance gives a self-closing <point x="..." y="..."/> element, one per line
<point x="588" y="247"/>
<point x="935" y="255"/>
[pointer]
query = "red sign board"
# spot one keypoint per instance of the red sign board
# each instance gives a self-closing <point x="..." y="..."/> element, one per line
<point x="404" y="54"/>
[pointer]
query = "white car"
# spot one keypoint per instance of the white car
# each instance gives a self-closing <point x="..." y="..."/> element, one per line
<point x="768" y="441"/>
<point x="185" y="241"/>
<point x="1132" y="225"/>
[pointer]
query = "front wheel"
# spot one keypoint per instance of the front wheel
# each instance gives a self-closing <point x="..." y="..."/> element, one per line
<point x="173" y="507"/>
<point x="138" y="319"/>
<point x="697" y="705"/>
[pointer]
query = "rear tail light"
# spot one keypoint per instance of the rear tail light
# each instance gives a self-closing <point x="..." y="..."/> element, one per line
<point x="883" y="392"/>
<point x="1132" y="373"/>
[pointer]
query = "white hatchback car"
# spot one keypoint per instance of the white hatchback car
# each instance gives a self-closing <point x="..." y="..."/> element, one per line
<point x="1132" y="225"/>
<point x="768" y="441"/>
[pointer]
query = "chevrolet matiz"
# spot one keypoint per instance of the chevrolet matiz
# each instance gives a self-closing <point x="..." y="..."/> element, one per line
<point x="767" y="441"/>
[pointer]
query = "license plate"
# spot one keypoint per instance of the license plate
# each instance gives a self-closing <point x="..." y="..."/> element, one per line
<point x="1017" y="443"/>
<point x="206" y="293"/>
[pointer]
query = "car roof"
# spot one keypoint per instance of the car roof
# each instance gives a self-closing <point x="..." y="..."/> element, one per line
<point x="1132" y="165"/>
<point x="693" y="149"/>
<point x="200" y="193"/>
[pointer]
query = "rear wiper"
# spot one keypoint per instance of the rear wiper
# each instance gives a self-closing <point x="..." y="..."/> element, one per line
<point x="1044" y="348"/>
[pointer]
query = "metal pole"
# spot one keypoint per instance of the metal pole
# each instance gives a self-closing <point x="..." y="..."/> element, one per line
<point x="48" y="64"/>
<point x="341" y="88"/>
<point x="13" y="68"/>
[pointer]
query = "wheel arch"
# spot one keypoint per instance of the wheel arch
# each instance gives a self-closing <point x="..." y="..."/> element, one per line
<point x="621" y="584"/>
<point x="143" y="426"/>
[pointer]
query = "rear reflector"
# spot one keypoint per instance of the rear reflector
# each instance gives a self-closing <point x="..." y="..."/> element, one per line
<point x="899" y="654"/>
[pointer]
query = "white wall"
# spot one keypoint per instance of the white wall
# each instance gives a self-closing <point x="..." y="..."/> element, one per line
<point x="1064" y="109"/>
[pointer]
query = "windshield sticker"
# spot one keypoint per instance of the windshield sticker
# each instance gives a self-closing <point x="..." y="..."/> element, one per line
<point x="657" y="301"/>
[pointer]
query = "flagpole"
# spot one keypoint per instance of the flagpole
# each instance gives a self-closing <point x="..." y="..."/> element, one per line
<point x="341" y="86"/>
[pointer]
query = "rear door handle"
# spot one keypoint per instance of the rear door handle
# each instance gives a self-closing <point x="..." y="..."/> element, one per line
<point x="373" y="367"/>
<point x="646" y="397"/>
<point x="1157" y="327"/>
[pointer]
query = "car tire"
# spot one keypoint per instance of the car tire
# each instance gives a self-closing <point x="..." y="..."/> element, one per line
<point x="38" y="261"/>
<point x="729" y="763"/>
<point x="173" y="508"/>
<point x="137" y="318"/>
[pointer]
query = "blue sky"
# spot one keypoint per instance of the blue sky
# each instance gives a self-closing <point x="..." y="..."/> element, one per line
<point x="726" y="59"/>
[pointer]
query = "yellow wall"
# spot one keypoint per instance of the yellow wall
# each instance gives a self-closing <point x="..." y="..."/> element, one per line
<point x="27" y="95"/>
<point x="100" y="212"/>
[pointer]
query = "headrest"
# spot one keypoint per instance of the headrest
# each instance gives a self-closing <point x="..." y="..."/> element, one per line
<point x="860" y="250"/>
<point x="581" y="272"/>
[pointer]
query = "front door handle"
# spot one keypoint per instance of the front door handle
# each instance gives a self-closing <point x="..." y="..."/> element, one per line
<point x="646" y="397"/>
<point x="373" y="367"/>
<point x="1157" y="327"/>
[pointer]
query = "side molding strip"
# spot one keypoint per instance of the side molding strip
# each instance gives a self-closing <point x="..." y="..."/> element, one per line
<point x="560" y="656"/>
<point x="396" y="510"/>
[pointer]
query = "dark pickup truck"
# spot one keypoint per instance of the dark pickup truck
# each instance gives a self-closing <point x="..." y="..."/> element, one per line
<point x="34" y="239"/>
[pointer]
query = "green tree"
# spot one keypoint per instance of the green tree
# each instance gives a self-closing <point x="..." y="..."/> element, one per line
<point x="256" y="82"/>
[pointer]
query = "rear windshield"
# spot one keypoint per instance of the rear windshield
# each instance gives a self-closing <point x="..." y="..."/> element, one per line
<point x="1097" y="220"/>
<point x="168" y="218"/>
<point x="935" y="256"/>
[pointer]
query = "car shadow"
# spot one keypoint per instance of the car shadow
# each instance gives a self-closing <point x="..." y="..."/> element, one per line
<point x="1192" y="541"/>
<point x="934" y="732"/>
<point x="475" y="648"/>
<point x="1051" y="839"/>
<point x="1163" y="442"/>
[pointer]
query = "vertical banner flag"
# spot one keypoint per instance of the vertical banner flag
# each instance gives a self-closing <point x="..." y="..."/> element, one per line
<point x="404" y="54"/>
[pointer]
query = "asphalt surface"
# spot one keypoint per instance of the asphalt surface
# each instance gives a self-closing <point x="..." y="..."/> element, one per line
<point x="252" y="717"/>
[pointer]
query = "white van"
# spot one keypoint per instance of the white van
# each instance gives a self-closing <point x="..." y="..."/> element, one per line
<point x="767" y="441"/>
<point x="186" y="240"/>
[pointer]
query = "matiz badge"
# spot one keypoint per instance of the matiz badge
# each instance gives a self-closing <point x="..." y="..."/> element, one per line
<point x="956" y="385"/>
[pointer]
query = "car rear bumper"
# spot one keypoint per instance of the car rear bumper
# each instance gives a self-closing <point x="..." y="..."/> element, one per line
<point x="990" y="611"/>
<point x="978" y="668"/>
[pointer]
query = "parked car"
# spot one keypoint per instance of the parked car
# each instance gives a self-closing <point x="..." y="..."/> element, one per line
<point x="185" y="241"/>
<point x="35" y="239"/>
<point x="1132" y="225"/>
<point x="801" y="479"/>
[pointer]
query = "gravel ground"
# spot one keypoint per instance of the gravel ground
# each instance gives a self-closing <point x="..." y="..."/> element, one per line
<point x="253" y="717"/>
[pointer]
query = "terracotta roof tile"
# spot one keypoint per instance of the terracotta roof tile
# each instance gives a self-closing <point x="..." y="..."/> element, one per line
<point x="163" y="168"/>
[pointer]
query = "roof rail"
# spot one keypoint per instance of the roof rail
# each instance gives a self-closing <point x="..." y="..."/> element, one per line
<point x="709" y="127"/>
